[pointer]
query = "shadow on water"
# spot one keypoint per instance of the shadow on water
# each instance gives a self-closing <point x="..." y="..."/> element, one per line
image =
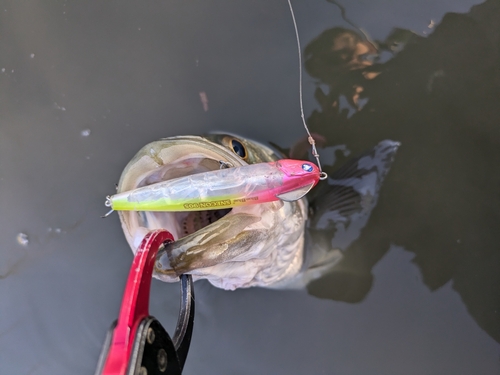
<point x="438" y="96"/>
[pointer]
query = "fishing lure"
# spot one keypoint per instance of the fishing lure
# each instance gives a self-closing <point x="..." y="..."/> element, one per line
<point x="286" y="179"/>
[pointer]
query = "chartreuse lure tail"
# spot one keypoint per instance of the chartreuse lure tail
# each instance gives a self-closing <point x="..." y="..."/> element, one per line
<point x="286" y="179"/>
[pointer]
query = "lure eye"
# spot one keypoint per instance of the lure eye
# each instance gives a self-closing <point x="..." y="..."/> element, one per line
<point x="238" y="148"/>
<point x="307" y="167"/>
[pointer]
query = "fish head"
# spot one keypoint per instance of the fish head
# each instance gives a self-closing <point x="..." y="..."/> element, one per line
<point x="257" y="245"/>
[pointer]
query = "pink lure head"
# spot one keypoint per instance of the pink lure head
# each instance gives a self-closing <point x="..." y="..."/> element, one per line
<point x="300" y="177"/>
<point x="299" y="168"/>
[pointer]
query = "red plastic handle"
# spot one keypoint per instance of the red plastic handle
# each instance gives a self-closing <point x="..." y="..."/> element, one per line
<point x="135" y="303"/>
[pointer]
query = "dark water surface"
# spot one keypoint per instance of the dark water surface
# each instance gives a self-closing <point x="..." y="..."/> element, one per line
<point x="84" y="85"/>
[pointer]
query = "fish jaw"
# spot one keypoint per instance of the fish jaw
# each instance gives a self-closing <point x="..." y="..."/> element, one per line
<point x="249" y="246"/>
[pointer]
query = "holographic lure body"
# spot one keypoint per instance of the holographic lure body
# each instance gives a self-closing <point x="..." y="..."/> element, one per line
<point x="286" y="179"/>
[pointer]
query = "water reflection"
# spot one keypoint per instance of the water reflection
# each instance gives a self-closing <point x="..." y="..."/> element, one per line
<point x="438" y="96"/>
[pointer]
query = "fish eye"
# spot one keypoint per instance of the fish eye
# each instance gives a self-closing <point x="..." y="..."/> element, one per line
<point x="238" y="148"/>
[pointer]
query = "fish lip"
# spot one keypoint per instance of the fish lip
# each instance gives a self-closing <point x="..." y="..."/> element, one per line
<point x="160" y="158"/>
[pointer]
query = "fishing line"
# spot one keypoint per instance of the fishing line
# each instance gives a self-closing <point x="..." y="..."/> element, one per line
<point x="310" y="138"/>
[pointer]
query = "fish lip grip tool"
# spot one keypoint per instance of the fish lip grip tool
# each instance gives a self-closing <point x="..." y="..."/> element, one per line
<point x="136" y="343"/>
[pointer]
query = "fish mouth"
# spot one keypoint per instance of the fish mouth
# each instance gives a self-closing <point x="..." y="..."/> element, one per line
<point x="181" y="224"/>
<point x="164" y="160"/>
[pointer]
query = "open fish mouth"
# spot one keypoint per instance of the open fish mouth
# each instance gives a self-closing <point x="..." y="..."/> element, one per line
<point x="181" y="224"/>
<point x="164" y="160"/>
